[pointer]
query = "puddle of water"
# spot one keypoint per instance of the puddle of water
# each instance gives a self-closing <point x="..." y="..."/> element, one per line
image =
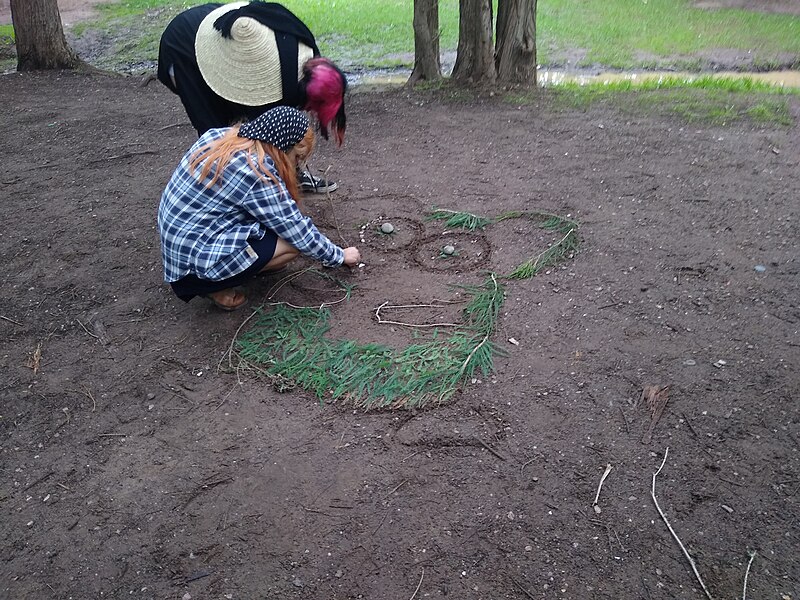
<point x="547" y="78"/>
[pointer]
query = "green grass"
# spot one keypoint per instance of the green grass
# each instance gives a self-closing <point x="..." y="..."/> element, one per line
<point x="635" y="33"/>
<point x="354" y="33"/>
<point x="709" y="99"/>
<point x="621" y="34"/>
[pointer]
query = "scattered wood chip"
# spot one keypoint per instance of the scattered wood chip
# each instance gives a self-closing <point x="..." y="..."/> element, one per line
<point x="657" y="397"/>
<point x="35" y="359"/>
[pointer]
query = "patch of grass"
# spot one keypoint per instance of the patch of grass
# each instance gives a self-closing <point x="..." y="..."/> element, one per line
<point x="662" y="28"/>
<point x="359" y="33"/>
<point x="6" y="33"/>
<point x="770" y="112"/>
<point x="715" y="100"/>
<point x="369" y="34"/>
<point x="290" y="344"/>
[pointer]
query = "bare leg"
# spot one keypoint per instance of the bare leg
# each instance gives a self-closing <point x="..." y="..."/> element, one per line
<point x="284" y="254"/>
<point x="231" y="299"/>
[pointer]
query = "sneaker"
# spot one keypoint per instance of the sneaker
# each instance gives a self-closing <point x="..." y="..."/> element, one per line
<point x="315" y="185"/>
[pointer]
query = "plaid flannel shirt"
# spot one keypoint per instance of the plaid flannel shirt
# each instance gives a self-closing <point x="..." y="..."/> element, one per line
<point x="205" y="231"/>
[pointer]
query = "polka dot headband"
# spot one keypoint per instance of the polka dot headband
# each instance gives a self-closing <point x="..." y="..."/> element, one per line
<point x="282" y="127"/>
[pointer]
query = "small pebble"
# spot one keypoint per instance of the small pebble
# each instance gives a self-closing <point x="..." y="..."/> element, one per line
<point x="727" y="508"/>
<point x="448" y="250"/>
<point x="597" y="509"/>
<point x="760" y="268"/>
<point x="338" y="573"/>
<point x="387" y="228"/>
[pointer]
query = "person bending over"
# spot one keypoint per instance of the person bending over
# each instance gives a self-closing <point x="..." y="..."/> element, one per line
<point x="230" y="62"/>
<point x="230" y="209"/>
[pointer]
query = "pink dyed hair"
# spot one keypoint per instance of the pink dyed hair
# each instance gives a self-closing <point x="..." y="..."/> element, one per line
<point x="325" y="86"/>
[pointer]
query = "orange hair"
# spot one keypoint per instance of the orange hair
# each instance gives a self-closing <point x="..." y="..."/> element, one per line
<point x="216" y="155"/>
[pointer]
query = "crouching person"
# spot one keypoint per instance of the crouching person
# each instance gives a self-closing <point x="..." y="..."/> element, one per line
<point x="230" y="209"/>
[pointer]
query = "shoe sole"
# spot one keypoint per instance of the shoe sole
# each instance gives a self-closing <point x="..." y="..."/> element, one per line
<point x="319" y="190"/>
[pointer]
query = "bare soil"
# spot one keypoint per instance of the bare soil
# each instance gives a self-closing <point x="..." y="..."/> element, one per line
<point x="133" y="466"/>
<point x="135" y="463"/>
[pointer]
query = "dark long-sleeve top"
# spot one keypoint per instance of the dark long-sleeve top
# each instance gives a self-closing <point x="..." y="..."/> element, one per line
<point x="206" y="109"/>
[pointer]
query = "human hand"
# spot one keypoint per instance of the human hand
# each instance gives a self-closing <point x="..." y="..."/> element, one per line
<point x="352" y="256"/>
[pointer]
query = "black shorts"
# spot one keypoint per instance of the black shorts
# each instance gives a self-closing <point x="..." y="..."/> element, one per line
<point x="190" y="286"/>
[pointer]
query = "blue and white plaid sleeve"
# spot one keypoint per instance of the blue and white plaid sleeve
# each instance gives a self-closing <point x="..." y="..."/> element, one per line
<point x="276" y="209"/>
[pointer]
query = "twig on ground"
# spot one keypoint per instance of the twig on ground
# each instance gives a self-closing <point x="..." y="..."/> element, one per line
<point x="421" y="577"/>
<point x="38" y="481"/>
<point x="522" y="589"/>
<point x="120" y="156"/>
<point x="689" y="423"/>
<point x="229" y="353"/>
<point x="86" y="330"/>
<point x="490" y="449"/>
<point x="288" y="279"/>
<point x="397" y="487"/>
<point x="672" y="531"/>
<point x="87" y="392"/>
<point x="747" y="573"/>
<point x="385" y="514"/>
<point x="625" y="419"/>
<point x="412" y="455"/>
<point x="387" y="306"/>
<point x="10" y="320"/>
<point x="165" y="127"/>
<point x="600" y="486"/>
<point x="732" y="482"/>
<point x="317" y="512"/>
<point x="525" y="464"/>
<point x="225" y="399"/>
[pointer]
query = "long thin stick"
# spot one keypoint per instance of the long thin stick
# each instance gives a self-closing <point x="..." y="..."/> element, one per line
<point x="746" y="574"/>
<point x="672" y="531"/>
<point x="386" y="305"/>
<point x="600" y="487"/>
<point x="421" y="577"/>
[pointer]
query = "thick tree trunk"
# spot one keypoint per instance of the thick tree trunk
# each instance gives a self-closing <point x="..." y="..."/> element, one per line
<point x="427" y="64"/>
<point x="515" y="56"/>
<point x="40" y="36"/>
<point x="475" y="58"/>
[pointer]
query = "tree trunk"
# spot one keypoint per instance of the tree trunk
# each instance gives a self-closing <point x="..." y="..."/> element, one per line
<point x="515" y="56"/>
<point x="427" y="64"/>
<point x="40" y="36"/>
<point x="475" y="58"/>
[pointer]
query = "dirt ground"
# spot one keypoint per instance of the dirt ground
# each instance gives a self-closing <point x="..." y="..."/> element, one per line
<point x="133" y="467"/>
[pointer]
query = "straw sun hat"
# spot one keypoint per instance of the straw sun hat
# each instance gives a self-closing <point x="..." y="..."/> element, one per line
<point x="247" y="68"/>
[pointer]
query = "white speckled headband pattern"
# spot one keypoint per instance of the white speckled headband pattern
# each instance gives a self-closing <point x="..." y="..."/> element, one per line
<point x="283" y="127"/>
